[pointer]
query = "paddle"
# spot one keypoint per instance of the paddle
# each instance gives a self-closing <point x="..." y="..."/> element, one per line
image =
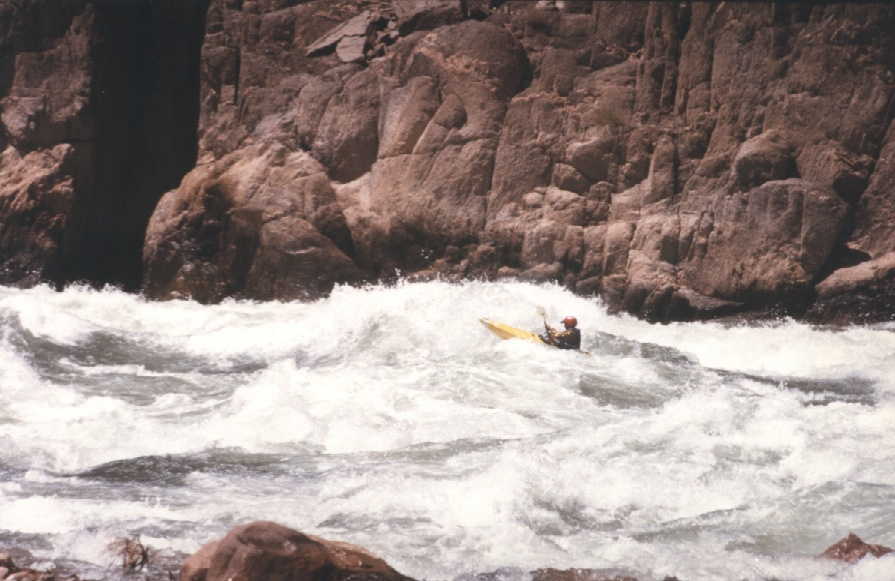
<point x="543" y="314"/>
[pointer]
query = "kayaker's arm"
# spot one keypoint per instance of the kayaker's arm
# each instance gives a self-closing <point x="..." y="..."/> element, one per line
<point x="550" y="336"/>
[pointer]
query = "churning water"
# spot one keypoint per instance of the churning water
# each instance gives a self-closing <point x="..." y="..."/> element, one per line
<point x="388" y="417"/>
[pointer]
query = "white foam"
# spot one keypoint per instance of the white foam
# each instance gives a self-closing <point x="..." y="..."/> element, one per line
<point x="419" y="435"/>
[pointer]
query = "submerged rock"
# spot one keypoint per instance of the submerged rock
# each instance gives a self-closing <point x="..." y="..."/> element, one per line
<point x="852" y="549"/>
<point x="10" y="572"/>
<point x="579" y="575"/>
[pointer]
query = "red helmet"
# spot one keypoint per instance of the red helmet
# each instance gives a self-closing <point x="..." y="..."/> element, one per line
<point x="570" y="322"/>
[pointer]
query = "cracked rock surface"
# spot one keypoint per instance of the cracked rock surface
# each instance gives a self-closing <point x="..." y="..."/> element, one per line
<point x="679" y="160"/>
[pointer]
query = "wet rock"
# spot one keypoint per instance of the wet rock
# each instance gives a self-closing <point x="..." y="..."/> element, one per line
<point x="859" y="294"/>
<point x="134" y="555"/>
<point x="689" y="304"/>
<point x="10" y="572"/>
<point x="266" y="551"/>
<point x="849" y="280"/>
<point x="7" y="566"/>
<point x="580" y="575"/>
<point x="852" y="549"/>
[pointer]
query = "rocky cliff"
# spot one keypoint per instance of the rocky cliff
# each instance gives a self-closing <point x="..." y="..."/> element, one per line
<point x="98" y="109"/>
<point x="678" y="159"/>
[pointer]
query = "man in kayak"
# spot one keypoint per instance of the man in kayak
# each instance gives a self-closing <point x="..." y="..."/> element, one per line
<point x="568" y="339"/>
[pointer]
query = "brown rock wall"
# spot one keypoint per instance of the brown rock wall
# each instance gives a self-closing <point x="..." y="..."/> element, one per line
<point x="94" y="79"/>
<point x="673" y="157"/>
<point x="44" y="89"/>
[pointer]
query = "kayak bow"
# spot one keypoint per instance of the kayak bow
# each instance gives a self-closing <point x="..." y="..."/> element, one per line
<point x="505" y="331"/>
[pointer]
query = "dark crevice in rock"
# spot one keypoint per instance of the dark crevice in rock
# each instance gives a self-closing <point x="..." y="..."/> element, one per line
<point x="146" y="107"/>
<point x="684" y="17"/>
<point x="842" y="255"/>
<point x="7" y="69"/>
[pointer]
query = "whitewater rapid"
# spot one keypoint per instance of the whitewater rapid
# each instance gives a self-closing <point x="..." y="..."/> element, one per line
<point x="390" y="418"/>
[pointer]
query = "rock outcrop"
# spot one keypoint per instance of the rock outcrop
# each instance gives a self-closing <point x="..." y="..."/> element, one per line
<point x="681" y="160"/>
<point x="267" y="551"/>
<point x="97" y="120"/>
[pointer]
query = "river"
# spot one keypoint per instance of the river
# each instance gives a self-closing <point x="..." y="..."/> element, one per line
<point x="390" y="418"/>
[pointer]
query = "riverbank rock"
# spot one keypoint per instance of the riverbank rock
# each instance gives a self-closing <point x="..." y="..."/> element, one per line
<point x="852" y="549"/>
<point x="263" y="222"/>
<point x="679" y="160"/>
<point x="864" y="292"/>
<point x="266" y="551"/>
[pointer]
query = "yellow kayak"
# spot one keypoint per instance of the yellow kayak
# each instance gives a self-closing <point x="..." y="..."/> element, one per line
<point x="505" y="331"/>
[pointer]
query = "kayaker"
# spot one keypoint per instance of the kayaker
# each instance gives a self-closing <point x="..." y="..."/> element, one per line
<point x="568" y="339"/>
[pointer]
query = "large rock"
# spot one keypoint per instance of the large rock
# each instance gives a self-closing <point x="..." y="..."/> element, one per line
<point x="863" y="293"/>
<point x="262" y="222"/>
<point x="266" y="551"/>
<point x="772" y="241"/>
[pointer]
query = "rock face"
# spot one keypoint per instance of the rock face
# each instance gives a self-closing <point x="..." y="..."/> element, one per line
<point x="680" y="160"/>
<point x="266" y="551"/>
<point x="97" y="119"/>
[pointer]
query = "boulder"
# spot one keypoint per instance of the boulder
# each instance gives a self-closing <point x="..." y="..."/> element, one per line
<point x="261" y="222"/>
<point x="267" y="551"/>
<point x="850" y="280"/>
<point x="347" y="136"/>
<point x="851" y="549"/>
<point x="772" y="241"/>
<point x="863" y="293"/>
